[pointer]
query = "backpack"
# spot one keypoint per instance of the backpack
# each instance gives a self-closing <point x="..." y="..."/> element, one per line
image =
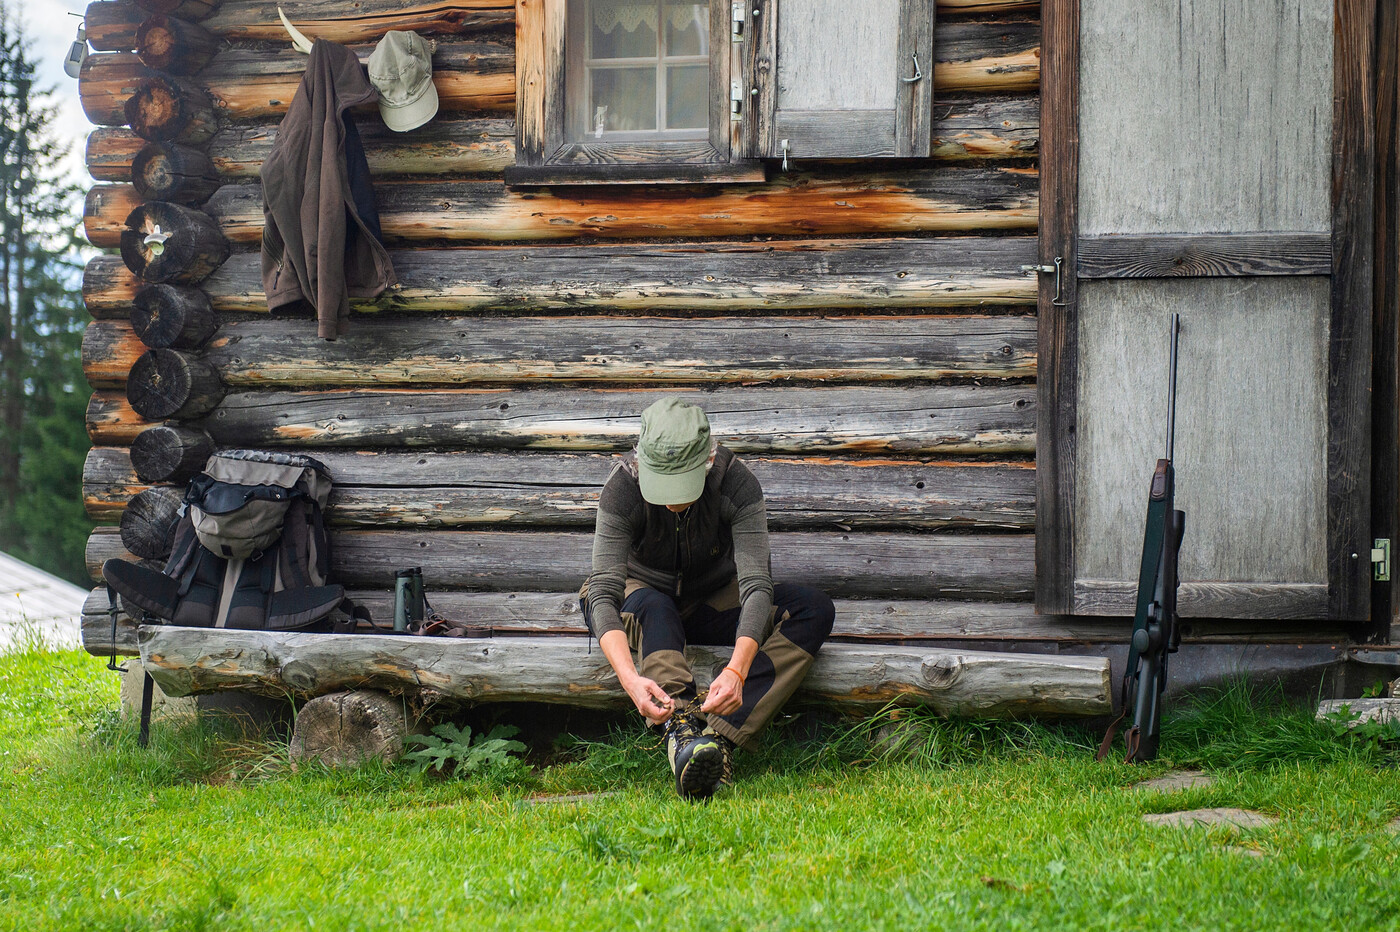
<point x="250" y="550"/>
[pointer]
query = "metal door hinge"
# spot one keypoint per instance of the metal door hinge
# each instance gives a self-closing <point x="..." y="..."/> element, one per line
<point x="736" y="100"/>
<point x="1380" y="559"/>
<point x="736" y="20"/>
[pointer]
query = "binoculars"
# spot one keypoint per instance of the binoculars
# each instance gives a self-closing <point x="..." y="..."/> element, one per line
<point x="410" y="604"/>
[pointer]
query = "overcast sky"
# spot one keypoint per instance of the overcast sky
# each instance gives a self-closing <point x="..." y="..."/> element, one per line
<point x="51" y="31"/>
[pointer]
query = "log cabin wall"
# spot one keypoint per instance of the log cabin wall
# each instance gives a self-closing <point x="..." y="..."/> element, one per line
<point x="864" y="337"/>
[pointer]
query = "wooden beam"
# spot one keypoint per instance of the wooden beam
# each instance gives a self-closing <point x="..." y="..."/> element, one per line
<point x="1349" y="332"/>
<point x="682" y="277"/>
<point x="185" y="661"/>
<point x="965" y="127"/>
<point x="941" y="200"/>
<point x="399" y="353"/>
<point x="1173" y="255"/>
<point x="471" y="489"/>
<point x="244" y="20"/>
<point x="856" y="565"/>
<point x="938" y="419"/>
<point x="251" y="84"/>
<point x="475" y="75"/>
<point x="1057" y="387"/>
<point x="966" y="624"/>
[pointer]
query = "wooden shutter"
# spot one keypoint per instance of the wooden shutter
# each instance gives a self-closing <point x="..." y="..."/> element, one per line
<point x="1214" y="159"/>
<point x="836" y="78"/>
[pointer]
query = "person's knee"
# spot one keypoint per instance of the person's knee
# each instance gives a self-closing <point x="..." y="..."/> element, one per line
<point x="811" y="614"/>
<point x="657" y="618"/>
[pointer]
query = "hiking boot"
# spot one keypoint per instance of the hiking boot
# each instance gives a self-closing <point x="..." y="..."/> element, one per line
<point x="726" y="746"/>
<point x="697" y="760"/>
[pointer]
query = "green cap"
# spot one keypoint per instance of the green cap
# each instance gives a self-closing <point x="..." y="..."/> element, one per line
<point x="673" y="452"/>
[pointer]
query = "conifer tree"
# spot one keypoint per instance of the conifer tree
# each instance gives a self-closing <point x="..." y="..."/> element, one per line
<point x="43" y="394"/>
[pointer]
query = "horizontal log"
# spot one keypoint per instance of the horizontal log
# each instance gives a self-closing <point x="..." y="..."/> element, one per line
<point x="192" y="246"/>
<point x="193" y="10"/>
<point x="185" y="661"/>
<point x="986" y="624"/>
<point x="111" y="25"/>
<point x="856" y="565"/>
<point x="937" y="419"/>
<point x="713" y="277"/>
<point x="166" y="383"/>
<point x="279" y="353"/>
<point x="111" y="420"/>
<point x="251" y="84"/>
<point x="173" y="45"/>
<point x="168" y="453"/>
<point x="248" y="84"/>
<point x="1172" y="255"/>
<point x="941" y="200"/>
<point x="561" y="490"/>
<point x="964" y="127"/>
<point x="166" y="172"/>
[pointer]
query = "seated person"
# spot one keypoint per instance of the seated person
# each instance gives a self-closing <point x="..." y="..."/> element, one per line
<point x="680" y="556"/>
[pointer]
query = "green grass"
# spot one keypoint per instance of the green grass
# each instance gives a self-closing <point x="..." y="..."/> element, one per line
<point x="901" y="822"/>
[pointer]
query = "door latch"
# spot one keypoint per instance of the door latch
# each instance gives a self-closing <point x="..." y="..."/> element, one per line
<point x="1058" y="269"/>
<point x="1380" y="559"/>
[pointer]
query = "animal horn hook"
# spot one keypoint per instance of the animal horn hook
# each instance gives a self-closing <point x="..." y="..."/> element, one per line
<point x="299" y="41"/>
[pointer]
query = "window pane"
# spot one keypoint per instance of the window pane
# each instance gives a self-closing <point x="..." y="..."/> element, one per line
<point x="687" y="29"/>
<point x="623" y="28"/>
<point x="687" y="96"/>
<point x="624" y="100"/>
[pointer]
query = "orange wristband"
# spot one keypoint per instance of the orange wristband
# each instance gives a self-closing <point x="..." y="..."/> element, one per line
<point x="742" y="679"/>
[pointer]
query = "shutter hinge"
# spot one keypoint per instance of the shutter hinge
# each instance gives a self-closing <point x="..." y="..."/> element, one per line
<point x="736" y="20"/>
<point x="736" y="100"/>
<point x="1380" y="559"/>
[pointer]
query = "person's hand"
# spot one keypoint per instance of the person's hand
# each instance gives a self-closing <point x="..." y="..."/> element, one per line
<point x="651" y="700"/>
<point x="726" y="694"/>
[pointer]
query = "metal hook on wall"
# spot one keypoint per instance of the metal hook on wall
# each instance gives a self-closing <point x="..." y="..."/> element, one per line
<point x="918" y="73"/>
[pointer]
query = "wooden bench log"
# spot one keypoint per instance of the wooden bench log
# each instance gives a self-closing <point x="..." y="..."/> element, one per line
<point x="474" y="75"/>
<point x="561" y="490"/>
<point x="984" y="624"/>
<point x="167" y="109"/>
<point x="168" y="172"/>
<point x="964" y="127"/>
<point x="346" y="729"/>
<point x="174" y="45"/>
<point x="166" y="383"/>
<point x="869" y="564"/>
<point x="186" y="661"/>
<point x="165" y="453"/>
<point x="939" y="419"/>
<point x="163" y="317"/>
<point x="193" y="249"/>
<point x="874" y="275"/>
<point x="814" y="204"/>
<point x="280" y="353"/>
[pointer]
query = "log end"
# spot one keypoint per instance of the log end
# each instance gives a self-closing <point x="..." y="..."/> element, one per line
<point x="350" y="728"/>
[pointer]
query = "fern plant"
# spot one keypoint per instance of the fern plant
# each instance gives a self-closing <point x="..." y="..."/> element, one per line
<point x="448" y="744"/>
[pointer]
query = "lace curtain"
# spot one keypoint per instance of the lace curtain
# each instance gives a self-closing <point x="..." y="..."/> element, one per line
<point x="631" y="15"/>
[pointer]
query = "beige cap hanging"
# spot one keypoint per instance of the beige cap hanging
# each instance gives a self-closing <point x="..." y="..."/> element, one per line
<point x="401" y="69"/>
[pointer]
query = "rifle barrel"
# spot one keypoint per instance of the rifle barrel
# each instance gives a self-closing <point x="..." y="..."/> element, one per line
<point x="1171" y="390"/>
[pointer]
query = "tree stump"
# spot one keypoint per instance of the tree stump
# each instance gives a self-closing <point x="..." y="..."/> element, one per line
<point x="173" y="45"/>
<point x="169" y="109"/>
<point x="168" y="172"/>
<point x="347" y="729"/>
<point x="172" y="317"/>
<point x="170" y="453"/>
<point x="166" y="383"/>
<point x="148" y="522"/>
<point x="194" y="248"/>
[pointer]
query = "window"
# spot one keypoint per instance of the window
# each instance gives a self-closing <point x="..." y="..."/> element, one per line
<point x="679" y="90"/>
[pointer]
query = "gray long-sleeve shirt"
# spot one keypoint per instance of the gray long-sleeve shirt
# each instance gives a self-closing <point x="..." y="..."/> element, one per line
<point x="721" y="537"/>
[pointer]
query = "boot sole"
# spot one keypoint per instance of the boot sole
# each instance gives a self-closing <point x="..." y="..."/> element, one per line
<point x="700" y="776"/>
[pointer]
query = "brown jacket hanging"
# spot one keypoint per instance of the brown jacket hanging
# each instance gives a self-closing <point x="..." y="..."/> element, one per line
<point x="316" y="246"/>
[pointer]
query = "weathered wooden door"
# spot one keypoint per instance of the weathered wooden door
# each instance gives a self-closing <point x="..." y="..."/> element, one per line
<point x="1212" y="158"/>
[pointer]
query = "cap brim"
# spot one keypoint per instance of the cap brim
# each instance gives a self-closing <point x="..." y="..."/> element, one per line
<point x="413" y="114"/>
<point x="679" y="488"/>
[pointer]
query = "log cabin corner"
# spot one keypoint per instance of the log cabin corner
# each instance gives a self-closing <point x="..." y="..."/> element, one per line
<point x="914" y="258"/>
